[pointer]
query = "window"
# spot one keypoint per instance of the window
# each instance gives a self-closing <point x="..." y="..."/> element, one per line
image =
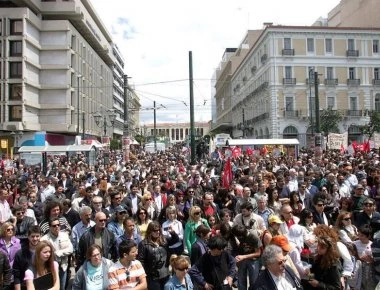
<point x="15" y="69"/>
<point x="289" y="105"/>
<point x="288" y="72"/>
<point x="351" y="44"/>
<point x="328" y="45"/>
<point x="310" y="45"/>
<point x="331" y="102"/>
<point x="376" y="73"/>
<point x="287" y="43"/>
<point x="375" y="46"/>
<point x="1" y="27"/>
<point x="310" y="72"/>
<point x="329" y="73"/>
<point x="15" y="92"/>
<point x="1" y="45"/>
<point x="377" y="103"/>
<point x="351" y="73"/>
<point x="353" y="103"/>
<point x="15" y="113"/>
<point x="16" y="27"/>
<point x="15" y="48"/>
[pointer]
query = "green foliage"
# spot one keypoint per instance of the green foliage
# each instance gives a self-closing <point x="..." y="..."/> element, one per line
<point x="373" y="124"/>
<point x="115" y="144"/>
<point x="329" y="121"/>
<point x="140" y="139"/>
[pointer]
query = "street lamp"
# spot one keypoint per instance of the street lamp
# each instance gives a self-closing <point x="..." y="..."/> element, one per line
<point x="101" y="120"/>
<point x="16" y="135"/>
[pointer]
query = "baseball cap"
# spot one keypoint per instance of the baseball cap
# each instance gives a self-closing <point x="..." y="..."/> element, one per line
<point x="274" y="219"/>
<point x="282" y="242"/>
<point x="120" y="209"/>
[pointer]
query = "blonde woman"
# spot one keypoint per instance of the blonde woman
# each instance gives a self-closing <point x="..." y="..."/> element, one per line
<point x="193" y="222"/>
<point x="175" y="225"/>
<point x="180" y="266"/>
<point x="147" y="202"/>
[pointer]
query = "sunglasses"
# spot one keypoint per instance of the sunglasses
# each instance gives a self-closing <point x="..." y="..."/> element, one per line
<point x="128" y="275"/>
<point x="197" y="213"/>
<point x="310" y="217"/>
<point x="368" y="204"/>
<point x="103" y="221"/>
<point x="123" y="212"/>
<point x="10" y="230"/>
<point x="320" y="204"/>
<point x="20" y="213"/>
<point x="55" y="226"/>
<point x="183" y="269"/>
<point x="142" y="213"/>
<point x="347" y="219"/>
<point x="156" y="231"/>
<point x="191" y="191"/>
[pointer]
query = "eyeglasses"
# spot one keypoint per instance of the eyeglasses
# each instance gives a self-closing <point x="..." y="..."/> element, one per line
<point x="128" y="275"/>
<point x="182" y="269"/>
<point x="10" y="230"/>
<point x="20" y="213"/>
<point x="156" y="231"/>
<point x="347" y="219"/>
<point x="310" y="217"/>
<point x="320" y="204"/>
<point x="281" y="262"/>
<point x="123" y="212"/>
<point x="55" y="226"/>
<point x="191" y="191"/>
<point x="103" y="221"/>
<point x="368" y="204"/>
<point x="97" y="202"/>
<point x="197" y="213"/>
<point x="303" y="187"/>
<point x="144" y="213"/>
<point x="117" y="198"/>
<point x="150" y="199"/>
<point x="289" y="212"/>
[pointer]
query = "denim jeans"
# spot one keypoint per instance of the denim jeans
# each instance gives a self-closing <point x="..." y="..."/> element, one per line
<point x="62" y="278"/>
<point x="247" y="267"/>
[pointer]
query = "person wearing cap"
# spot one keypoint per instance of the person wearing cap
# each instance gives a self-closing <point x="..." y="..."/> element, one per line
<point x="277" y="274"/>
<point x="116" y="224"/>
<point x="369" y="212"/>
<point x="358" y="199"/>
<point x="274" y="223"/>
<point x="283" y="242"/>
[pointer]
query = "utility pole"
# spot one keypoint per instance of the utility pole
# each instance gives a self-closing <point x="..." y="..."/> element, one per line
<point x="318" y="136"/>
<point x="126" y="138"/>
<point x="83" y="123"/>
<point x="78" y="103"/>
<point x="243" y="125"/>
<point x="154" y="126"/>
<point x="192" y="129"/>
<point x="311" y="76"/>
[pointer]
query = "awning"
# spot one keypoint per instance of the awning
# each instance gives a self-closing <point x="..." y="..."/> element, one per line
<point x="248" y="142"/>
<point x="65" y="148"/>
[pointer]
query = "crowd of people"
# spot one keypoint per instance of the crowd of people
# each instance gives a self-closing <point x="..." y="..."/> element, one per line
<point x="159" y="222"/>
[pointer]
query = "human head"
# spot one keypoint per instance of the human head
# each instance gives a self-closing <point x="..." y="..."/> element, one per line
<point x="306" y="217"/>
<point x="274" y="260"/>
<point x="202" y="232"/>
<point x="44" y="258"/>
<point x="343" y="219"/>
<point x="195" y="213"/>
<point x="94" y="255"/>
<point x="18" y="212"/>
<point x="128" y="250"/>
<point x="246" y="209"/>
<point x="216" y="245"/>
<point x="171" y="212"/>
<point x="327" y="252"/>
<point x="34" y="235"/>
<point x="7" y="230"/>
<point x="180" y="265"/>
<point x="286" y="212"/>
<point x="369" y="206"/>
<point x="54" y="226"/>
<point x="52" y="209"/>
<point x="115" y="198"/>
<point x="97" y="202"/>
<point x="85" y="214"/>
<point x="154" y="232"/>
<point x="100" y="221"/>
<point x="129" y="225"/>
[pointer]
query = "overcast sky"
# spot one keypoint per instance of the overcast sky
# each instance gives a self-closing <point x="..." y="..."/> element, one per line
<point x="155" y="38"/>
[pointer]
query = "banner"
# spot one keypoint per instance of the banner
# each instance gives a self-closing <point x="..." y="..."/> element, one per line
<point x="336" y="141"/>
<point x="227" y="174"/>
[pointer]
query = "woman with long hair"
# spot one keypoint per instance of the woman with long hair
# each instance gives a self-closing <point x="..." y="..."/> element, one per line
<point x="180" y="278"/>
<point x="43" y="264"/>
<point x="346" y="230"/>
<point x="326" y="270"/>
<point x="148" y="203"/>
<point x="172" y="223"/>
<point x="9" y="244"/>
<point x="94" y="266"/>
<point x="274" y="202"/>
<point x="142" y="221"/>
<point x="153" y="255"/>
<point x="295" y="203"/>
<point x="193" y="222"/>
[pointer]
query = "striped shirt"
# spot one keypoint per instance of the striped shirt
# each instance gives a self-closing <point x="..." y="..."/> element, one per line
<point x="123" y="278"/>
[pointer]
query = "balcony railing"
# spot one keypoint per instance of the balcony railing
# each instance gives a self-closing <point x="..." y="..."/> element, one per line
<point x="331" y="82"/>
<point x="352" y="53"/>
<point x="289" y="81"/>
<point x="291" y="114"/>
<point x="288" y="51"/>
<point x="376" y="82"/>
<point x="264" y="58"/>
<point x="354" y="113"/>
<point x="353" y="82"/>
<point x="311" y="81"/>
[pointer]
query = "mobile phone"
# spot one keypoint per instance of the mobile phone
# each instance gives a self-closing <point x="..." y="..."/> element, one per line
<point x="166" y="228"/>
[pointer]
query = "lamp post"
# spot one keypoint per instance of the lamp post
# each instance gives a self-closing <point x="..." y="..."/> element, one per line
<point x="105" y="121"/>
<point x="78" y="103"/>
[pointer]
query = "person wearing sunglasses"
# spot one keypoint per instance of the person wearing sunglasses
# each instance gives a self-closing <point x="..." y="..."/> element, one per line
<point x="367" y="214"/>
<point x="22" y="224"/>
<point x="180" y="278"/>
<point x="127" y="272"/>
<point x="320" y="217"/>
<point x="347" y="231"/>
<point x="195" y="220"/>
<point x="9" y="244"/>
<point x="277" y="275"/>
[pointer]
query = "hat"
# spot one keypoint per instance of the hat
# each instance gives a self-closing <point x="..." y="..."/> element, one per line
<point x="120" y="209"/>
<point x="359" y="186"/>
<point x="274" y="219"/>
<point x="282" y="242"/>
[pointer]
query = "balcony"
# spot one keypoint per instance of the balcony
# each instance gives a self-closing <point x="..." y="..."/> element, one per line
<point x="376" y="82"/>
<point x="311" y="81"/>
<point x="264" y="58"/>
<point x="289" y="81"/>
<point x="353" y="82"/>
<point x="354" y="113"/>
<point x="352" y="53"/>
<point x="288" y="52"/>
<point x="331" y="82"/>
<point x="291" y="114"/>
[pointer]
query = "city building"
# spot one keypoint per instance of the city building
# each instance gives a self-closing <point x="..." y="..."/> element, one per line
<point x="175" y="132"/>
<point x="58" y="67"/>
<point x="272" y="95"/>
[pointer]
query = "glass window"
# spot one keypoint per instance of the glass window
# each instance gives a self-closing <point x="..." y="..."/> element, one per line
<point x="330" y="102"/>
<point x="289" y="106"/>
<point x="287" y="43"/>
<point x="329" y="73"/>
<point x="353" y="103"/>
<point x="351" y="44"/>
<point x="377" y="102"/>
<point x="351" y="73"/>
<point x="328" y="44"/>
<point x="15" y="48"/>
<point x="15" y="92"/>
<point x="288" y="72"/>
<point x="15" y="69"/>
<point x="15" y="113"/>
<point x="16" y="27"/>
<point x="310" y="45"/>
<point x="310" y="72"/>
<point x="1" y="27"/>
<point x="375" y="46"/>
<point x="376" y="73"/>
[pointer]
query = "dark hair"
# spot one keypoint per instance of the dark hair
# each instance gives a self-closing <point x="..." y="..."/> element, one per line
<point x="34" y="230"/>
<point x="224" y="212"/>
<point x="246" y="205"/>
<point x="153" y="226"/>
<point x="66" y="202"/>
<point x="53" y="220"/>
<point x="217" y="243"/>
<point x="91" y="249"/>
<point x="201" y="230"/>
<point x="365" y="230"/>
<point x="49" y="206"/>
<point x="303" y="216"/>
<point x="239" y="230"/>
<point x="125" y="247"/>
<point x="16" y="208"/>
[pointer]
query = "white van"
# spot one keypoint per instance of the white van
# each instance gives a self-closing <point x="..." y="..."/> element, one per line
<point x="149" y="147"/>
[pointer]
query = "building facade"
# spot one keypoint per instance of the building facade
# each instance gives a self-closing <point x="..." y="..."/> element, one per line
<point x="59" y="67"/>
<point x="273" y="97"/>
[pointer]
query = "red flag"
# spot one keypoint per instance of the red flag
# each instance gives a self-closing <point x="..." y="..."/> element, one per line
<point x="249" y="151"/>
<point x="227" y="174"/>
<point x="366" y="147"/>
<point x="342" y="149"/>
<point x="236" y="152"/>
<point x="354" y="146"/>
<point x="264" y="151"/>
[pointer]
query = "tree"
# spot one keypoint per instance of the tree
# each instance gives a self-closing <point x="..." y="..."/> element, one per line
<point x="115" y="144"/>
<point x="329" y="121"/>
<point x="373" y="124"/>
<point x="140" y="139"/>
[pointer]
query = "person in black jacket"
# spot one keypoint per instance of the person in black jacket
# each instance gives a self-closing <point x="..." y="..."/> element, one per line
<point x="23" y="258"/>
<point x="22" y="223"/>
<point x="71" y="215"/>
<point x="199" y="248"/>
<point x="216" y="268"/>
<point x="99" y="231"/>
<point x="153" y="255"/>
<point x="5" y="272"/>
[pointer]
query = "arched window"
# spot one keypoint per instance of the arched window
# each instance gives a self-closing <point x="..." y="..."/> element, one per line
<point x="261" y="133"/>
<point x="266" y="133"/>
<point x="290" y="132"/>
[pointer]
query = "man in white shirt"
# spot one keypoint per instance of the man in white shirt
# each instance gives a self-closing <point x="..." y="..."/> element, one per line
<point x="47" y="190"/>
<point x="5" y="211"/>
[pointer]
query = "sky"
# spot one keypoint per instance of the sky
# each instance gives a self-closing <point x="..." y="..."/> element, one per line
<point x="155" y="38"/>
